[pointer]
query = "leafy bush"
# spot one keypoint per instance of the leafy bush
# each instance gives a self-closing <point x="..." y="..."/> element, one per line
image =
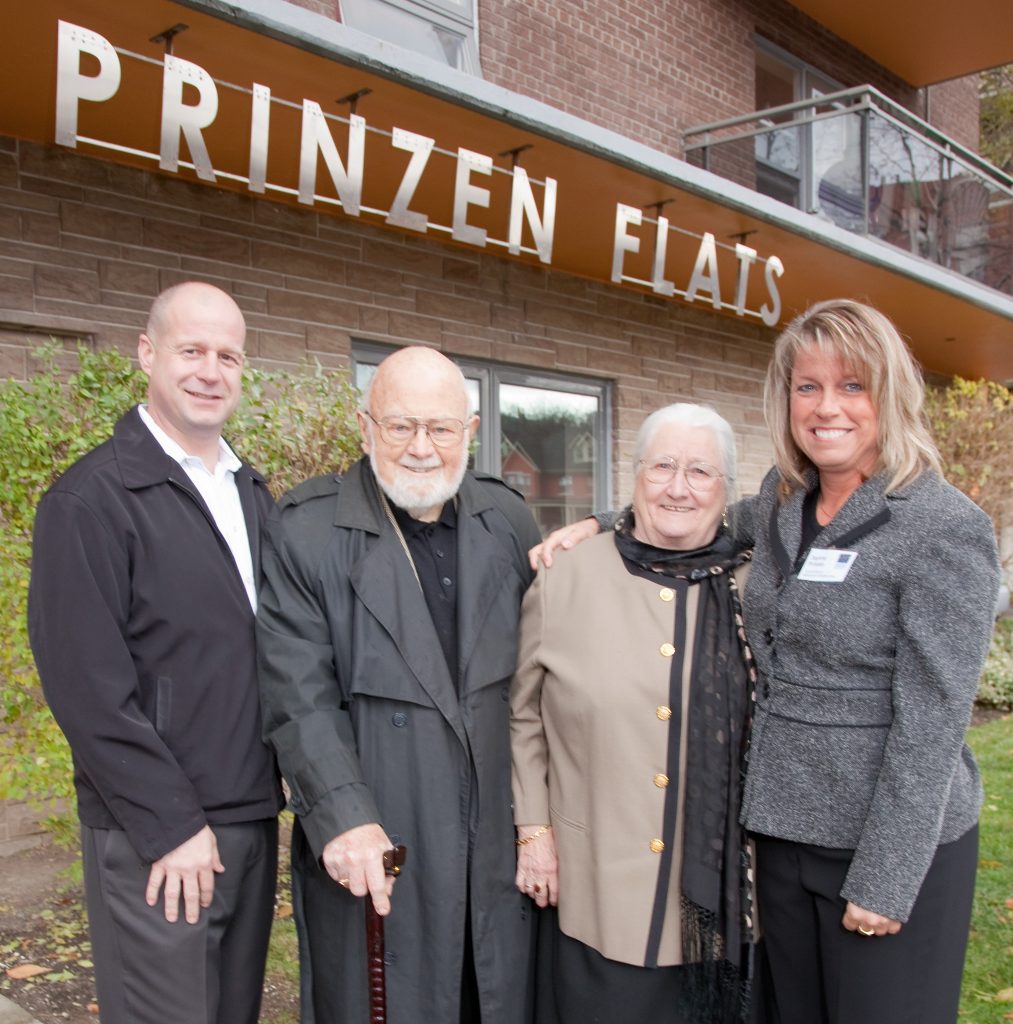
<point x="972" y="422"/>
<point x="996" y="687"/>
<point x="290" y="426"/>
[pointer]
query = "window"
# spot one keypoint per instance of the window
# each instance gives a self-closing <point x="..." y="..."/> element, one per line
<point x="445" y="30"/>
<point x="546" y="434"/>
<point x="816" y="167"/>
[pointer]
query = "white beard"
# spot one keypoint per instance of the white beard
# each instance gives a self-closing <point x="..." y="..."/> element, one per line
<point x="419" y="494"/>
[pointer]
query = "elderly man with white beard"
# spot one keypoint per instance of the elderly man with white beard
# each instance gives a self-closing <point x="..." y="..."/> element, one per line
<point x="387" y="637"/>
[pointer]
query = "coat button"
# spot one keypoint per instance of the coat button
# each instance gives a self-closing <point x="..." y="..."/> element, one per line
<point x="666" y="594"/>
<point x="664" y="713"/>
<point x="667" y="650"/>
<point x="504" y="694"/>
<point x="656" y="845"/>
<point x="768" y="636"/>
<point x="400" y="719"/>
<point x="661" y="780"/>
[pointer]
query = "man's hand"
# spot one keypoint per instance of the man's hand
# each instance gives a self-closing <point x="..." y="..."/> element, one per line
<point x="190" y="869"/>
<point x="565" y="537"/>
<point x="867" y="923"/>
<point x="355" y="860"/>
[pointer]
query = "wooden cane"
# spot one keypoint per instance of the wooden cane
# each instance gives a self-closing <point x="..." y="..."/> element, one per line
<point x="393" y="861"/>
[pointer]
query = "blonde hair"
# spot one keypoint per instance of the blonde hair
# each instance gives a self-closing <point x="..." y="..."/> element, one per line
<point x="867" y="342"/>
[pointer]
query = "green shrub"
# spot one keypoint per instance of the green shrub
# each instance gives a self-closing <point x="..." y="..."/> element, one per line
<point x="996" y="687"/>
<point x="972" y="423"/>
<point x="290" y="426"/>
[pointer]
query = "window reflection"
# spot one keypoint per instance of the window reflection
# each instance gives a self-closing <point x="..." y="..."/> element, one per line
<point x="547" y="450"/>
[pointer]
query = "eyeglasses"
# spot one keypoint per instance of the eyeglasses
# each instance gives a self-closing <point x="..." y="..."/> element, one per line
<point x="400" y="430"/>
<point x="700" y="476"/>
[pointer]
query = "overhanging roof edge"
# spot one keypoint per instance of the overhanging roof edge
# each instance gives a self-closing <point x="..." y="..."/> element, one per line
<point x="319" y="34"/>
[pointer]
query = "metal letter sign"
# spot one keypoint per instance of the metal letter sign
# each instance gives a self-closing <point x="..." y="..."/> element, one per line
<point x="316" y="135"/>
<point x="188" y="120"/>
<point x="178" y="116"/>
<point x="420" y="147"/>
<point x="466" y="194"/>
<point x="260" y="126"/>
<point x="72" y="86"/>
<point x="522" y="204"/>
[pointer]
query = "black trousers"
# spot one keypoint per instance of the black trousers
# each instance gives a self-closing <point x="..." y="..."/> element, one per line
<point x="577" y="985"/>
<point x="148" y="971"/>
<point x="823" y="974"/>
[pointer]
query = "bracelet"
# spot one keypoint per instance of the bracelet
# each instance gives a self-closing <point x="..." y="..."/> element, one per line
<point x="534" y="835"/>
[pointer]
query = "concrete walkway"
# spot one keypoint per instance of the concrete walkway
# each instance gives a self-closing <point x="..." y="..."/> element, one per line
<point x="11" y="1013"/>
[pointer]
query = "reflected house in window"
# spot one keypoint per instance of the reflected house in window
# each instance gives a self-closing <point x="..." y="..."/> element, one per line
<point x="519" y="470"/>
<point x="549" y="458"/>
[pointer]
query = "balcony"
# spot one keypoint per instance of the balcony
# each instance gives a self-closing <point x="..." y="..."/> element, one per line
<point x="856" y="159"/>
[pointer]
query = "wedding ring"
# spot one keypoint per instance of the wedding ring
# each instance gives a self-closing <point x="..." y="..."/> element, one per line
<point x="867" y="932"/>
<point x="344" y="882"/>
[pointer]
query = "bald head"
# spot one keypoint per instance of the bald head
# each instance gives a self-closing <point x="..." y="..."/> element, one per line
<point x="414" y="378"/>
<point x="194" y="298"/>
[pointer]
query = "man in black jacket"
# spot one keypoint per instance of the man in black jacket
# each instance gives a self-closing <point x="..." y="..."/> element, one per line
<point x="141" y="611"/>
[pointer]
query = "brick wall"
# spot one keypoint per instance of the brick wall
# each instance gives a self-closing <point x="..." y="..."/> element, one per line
<point x="85" y="245"/>
<point x="650" y="71"/>
<point x="954" y="108"/>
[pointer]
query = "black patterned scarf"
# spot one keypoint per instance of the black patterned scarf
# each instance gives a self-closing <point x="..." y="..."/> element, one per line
<point x="716" y="883"/>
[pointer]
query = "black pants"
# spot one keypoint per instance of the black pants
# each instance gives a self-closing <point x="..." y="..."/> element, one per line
<point x="577" y="985"/>
<point x="148" y="971"/>
<point x="823" y="974"/>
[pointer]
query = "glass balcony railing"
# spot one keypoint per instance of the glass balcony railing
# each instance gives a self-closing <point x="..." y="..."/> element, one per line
<point x="860" y="161"/>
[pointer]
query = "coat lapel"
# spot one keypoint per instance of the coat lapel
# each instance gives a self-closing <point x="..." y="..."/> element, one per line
<point x="385" y="584"/>
<point x="866" y="510"/>
<point x="484" y="568"/>
<point x="245" y="483"/>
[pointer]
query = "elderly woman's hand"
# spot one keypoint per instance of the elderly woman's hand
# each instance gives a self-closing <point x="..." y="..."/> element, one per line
<point x="565" y="537"/>
<point x="867" y="923"/>
<point x="537" y="866"/>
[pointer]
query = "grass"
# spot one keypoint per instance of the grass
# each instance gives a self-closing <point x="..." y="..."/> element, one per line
<point x="282" y="975"/>
<point x="987" y="996"/>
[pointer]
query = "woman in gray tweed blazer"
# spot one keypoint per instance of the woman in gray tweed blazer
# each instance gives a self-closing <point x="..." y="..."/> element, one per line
<point x="869" y="610"/>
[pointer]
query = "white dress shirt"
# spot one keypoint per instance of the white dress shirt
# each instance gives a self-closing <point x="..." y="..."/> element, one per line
<point x="220" y="494"/>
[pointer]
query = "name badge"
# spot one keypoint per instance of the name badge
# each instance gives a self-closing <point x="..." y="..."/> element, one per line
<point x="827" y="565"/>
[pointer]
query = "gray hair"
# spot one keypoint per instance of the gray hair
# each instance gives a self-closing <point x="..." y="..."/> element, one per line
<point x="688" y="414"/>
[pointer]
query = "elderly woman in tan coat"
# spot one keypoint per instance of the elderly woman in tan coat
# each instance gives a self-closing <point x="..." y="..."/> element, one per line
<point x="629" y="724"/>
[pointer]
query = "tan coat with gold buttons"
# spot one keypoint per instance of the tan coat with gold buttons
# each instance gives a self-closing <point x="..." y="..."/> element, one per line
<point x="590" y="729"/>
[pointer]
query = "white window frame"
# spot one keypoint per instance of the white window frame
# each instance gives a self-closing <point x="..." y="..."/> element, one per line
<point x="810" y="83"/>
<point x="448" y="15"/>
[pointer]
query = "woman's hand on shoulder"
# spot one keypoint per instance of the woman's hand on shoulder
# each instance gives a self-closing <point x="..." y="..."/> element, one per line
<point x="537" y="866"/>
<point x="565" y="538"/>
<point x="867" y="923"/>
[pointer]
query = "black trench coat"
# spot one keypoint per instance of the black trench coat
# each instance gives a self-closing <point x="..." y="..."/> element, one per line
<point x="368" y="726"/>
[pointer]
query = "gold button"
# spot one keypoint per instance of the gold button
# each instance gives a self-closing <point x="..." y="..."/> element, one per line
<point x="661" y="780"/>
<point x="664" y="713"/>
<point x="666" y="594"/>
<point x="657" y="846"/>
<point x="667" y="650"/>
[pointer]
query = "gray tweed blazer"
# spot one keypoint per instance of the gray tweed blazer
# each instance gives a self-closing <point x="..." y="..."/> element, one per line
<point x="867" y="685"/>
